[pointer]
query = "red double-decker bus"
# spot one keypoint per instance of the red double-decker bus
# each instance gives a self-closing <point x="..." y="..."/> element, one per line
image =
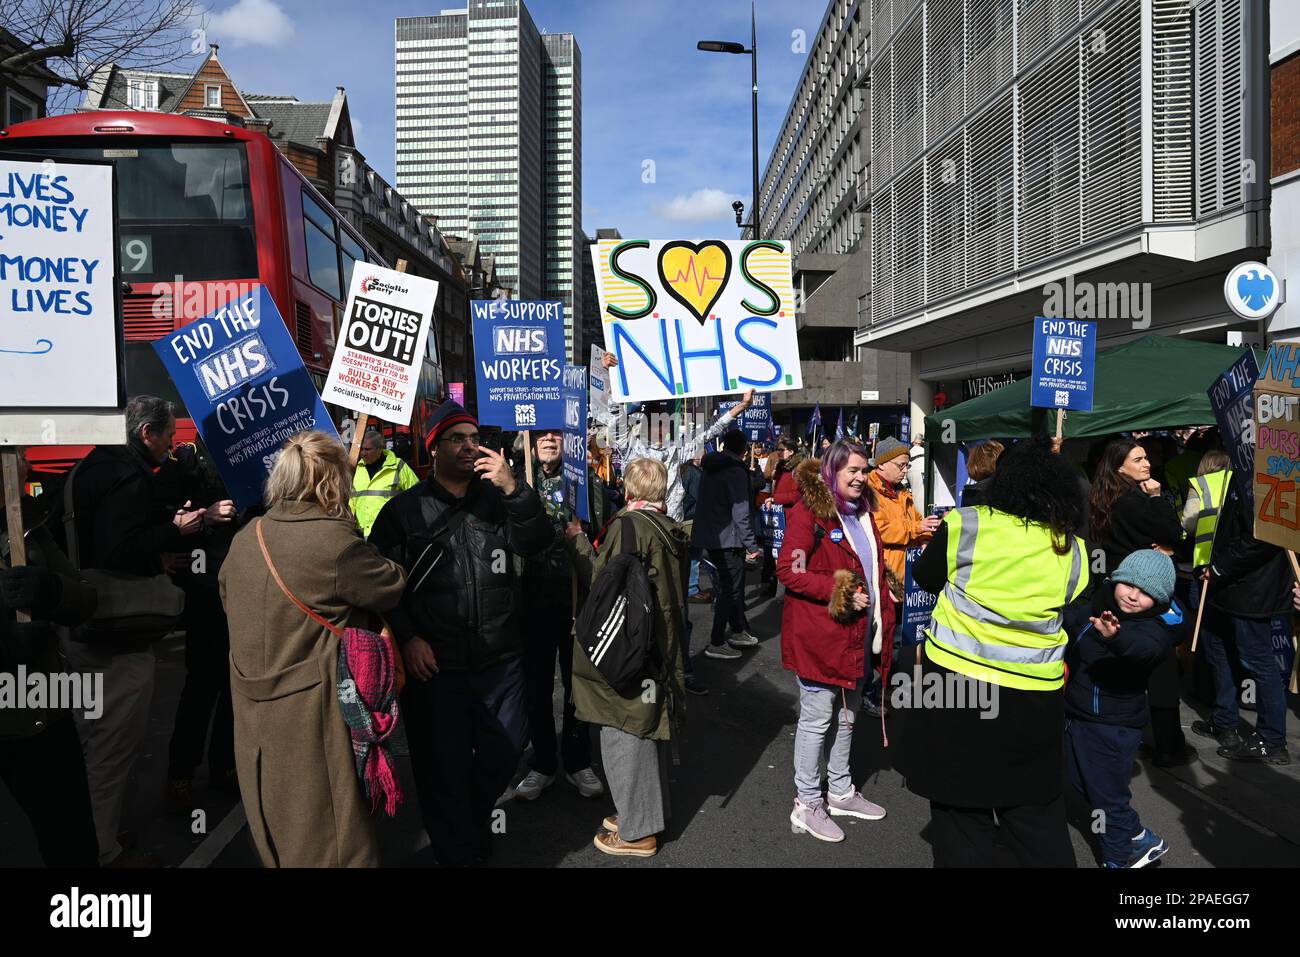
<point x="205" y="211"/>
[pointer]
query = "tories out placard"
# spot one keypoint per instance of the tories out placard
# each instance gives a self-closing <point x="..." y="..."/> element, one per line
<point x="697" y="319"/>
<point x="519" y="362"/>
<point x="245" y="386"/>
<point x="382" y="340"/>
<point x="60" y="343"/>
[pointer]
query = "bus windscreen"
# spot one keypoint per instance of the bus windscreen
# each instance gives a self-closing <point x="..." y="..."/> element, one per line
<point x="184" y="208"/>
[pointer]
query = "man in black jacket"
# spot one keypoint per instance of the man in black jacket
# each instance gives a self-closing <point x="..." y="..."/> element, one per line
<point x="548" y="605"/>
<point x="40" y="754"/>
<point x="457" y="535"/>
<point x="723" y="526"/>
<point x="1250" y="583"/>
<point x="123" y="524"/>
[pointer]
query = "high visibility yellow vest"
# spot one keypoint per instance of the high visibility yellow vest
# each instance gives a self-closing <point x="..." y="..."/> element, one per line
<point x="369" y="495"/>
<point x="1000" y="617"/>
<point x="1212" y="488"/>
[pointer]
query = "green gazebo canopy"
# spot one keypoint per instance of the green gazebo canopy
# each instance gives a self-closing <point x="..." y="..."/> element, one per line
<point x="1156" y="382"/>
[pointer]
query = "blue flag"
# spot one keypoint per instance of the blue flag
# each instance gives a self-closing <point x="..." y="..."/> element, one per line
<point x="815" y="422"/>
<point x="839" y="427"/>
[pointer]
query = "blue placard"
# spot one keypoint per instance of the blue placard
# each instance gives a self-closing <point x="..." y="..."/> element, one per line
<point x="519" y="355"/>
<point x="575" y="441"/>
<point x="1231" y="400"/>
<point x="1064" y="364"/>
<point x="772" y="526"/>
<point x="245" y="386"/>
<point x="756" y="421"/>
<point x="918" y="604"/>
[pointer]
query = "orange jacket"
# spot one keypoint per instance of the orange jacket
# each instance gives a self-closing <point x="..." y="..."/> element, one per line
<point x="899" y="523"/>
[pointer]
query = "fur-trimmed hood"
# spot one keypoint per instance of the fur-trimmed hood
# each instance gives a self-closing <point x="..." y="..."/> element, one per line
<point x="816" y="493"/>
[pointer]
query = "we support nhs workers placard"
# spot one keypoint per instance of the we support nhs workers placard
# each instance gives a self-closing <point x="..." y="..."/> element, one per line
<point x="575" y="441"/>
<point x="519" y="356"/>
<point x="1064" y="364"/>
<point x="59" y="338"/>
<point x="697" y="319"/>
<point x="244" y="384"/>
<point x="918" y="604"/>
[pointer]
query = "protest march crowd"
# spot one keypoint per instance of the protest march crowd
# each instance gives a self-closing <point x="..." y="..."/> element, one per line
<point x="358" y="614"/>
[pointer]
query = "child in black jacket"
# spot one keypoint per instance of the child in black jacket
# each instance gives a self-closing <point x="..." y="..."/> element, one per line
<point x="1117" y="636"/>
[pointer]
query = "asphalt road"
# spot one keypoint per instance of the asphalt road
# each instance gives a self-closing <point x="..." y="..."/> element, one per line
<point x="732" y="793"/>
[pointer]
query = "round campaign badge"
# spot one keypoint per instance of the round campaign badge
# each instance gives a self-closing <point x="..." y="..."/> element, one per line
<point x="837" y="535"/>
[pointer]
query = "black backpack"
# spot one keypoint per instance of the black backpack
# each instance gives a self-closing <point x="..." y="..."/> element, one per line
<point x="616" y="627"/>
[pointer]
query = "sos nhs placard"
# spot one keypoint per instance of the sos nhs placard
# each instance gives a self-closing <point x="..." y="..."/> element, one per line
<point x="519" y="358"/>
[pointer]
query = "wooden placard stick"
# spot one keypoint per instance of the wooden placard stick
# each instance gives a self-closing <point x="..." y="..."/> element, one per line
<point x="528" y="456"/>
<point x="1200" y="611"/>
<point x="363" y="419"/>
<point x="14" y="514"/>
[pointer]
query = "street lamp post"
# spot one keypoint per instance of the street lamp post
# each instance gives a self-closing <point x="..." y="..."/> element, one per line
<point x="724" y="46"/>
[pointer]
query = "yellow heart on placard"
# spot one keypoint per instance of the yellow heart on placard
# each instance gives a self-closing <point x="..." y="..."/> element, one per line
<point x="695" y="274"/>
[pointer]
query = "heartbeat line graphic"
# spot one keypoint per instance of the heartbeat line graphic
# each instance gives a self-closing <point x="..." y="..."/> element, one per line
<point x="690" y="275"/>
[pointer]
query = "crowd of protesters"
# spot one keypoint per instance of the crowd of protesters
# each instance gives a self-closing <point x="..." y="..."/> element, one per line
<point x="360" y="607"/>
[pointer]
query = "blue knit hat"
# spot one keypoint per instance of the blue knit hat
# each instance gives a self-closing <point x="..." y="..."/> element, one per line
<point x="1149" y="570"/>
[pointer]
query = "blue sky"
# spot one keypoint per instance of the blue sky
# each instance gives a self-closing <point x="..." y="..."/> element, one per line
<point x="648" y="93"/>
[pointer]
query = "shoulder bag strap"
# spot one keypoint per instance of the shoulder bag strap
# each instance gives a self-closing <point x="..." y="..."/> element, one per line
<point x="627" y="545"/>
<point x="261" y="541"/>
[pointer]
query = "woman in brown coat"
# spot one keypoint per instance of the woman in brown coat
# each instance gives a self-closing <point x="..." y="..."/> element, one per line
<point x="293" y="751"/>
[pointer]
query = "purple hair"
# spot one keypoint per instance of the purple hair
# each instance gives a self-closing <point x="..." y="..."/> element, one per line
<point x="836" y="457"/>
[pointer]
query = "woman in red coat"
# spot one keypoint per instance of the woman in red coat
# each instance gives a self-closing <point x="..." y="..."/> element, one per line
<point x="837" y="605"/>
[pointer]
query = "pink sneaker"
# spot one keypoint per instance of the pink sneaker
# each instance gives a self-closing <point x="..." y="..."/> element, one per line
<point x="854" y="805"/>
<point x="813" y="819"/>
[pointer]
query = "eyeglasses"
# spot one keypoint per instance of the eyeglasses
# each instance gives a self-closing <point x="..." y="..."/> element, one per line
<point x="458" y="441"/>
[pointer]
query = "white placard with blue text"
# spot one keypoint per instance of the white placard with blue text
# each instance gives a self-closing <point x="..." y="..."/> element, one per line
<point x="59" y="334"/>
<point x="704" y="318"/>
<point x="519" y="357"/>
<point x="1064" y="364"/>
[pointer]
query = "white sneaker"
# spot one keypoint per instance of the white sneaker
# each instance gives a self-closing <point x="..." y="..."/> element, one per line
<point x="586" y="782"/>
<point x="742" y="639"/>
<point x="532" y="786"/>
<point x="506" y="797"/>
<point x="723" y="651"/>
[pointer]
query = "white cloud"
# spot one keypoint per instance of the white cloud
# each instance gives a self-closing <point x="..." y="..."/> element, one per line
<point x="250" y="23"/>
<point x="700" y="206"/>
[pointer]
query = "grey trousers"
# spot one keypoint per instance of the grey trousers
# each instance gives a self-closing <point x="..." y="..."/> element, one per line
<point x="824" y="718"/>
<point x="112" y="742"/>
<point x="637" y="771"/>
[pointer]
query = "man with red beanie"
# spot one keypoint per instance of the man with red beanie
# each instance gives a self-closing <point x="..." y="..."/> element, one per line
<point x="457" y="535"/>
